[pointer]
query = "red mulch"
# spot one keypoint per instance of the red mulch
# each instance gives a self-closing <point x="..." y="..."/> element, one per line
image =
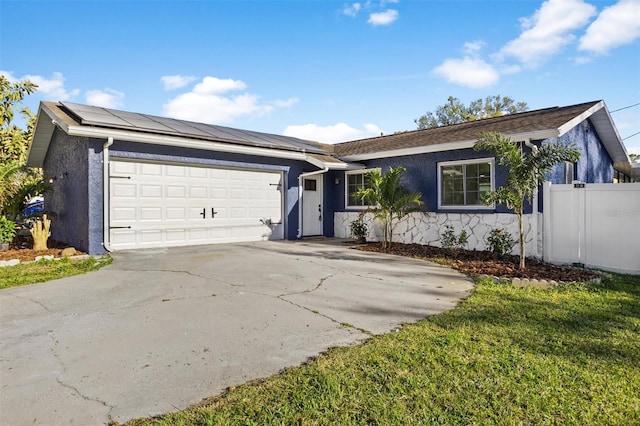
<point x="476" y="263"/>
<point x="22" y="249"/>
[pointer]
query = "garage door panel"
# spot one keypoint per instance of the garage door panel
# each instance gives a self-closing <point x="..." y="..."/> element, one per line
<point x="162" y="205"/>
<point x="175" y="213"/>
<point x="151" y="191"/>
<point x="172" y="191"/>
<point x="148" y="169"/>
<point x="150" y="214"/>
<point x="176" y="235"/>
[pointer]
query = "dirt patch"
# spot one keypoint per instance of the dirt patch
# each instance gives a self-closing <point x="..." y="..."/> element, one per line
<point x="476" y="263"/>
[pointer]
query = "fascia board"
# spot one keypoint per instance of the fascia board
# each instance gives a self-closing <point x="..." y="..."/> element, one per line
<point x="43" y="132"/>
<point x="123" y="135"/>
<point x="579" y="118"/>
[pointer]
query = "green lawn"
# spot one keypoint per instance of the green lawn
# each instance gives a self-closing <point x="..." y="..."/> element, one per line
<point x="47" y="270"/>
<point x="509" y="356"/>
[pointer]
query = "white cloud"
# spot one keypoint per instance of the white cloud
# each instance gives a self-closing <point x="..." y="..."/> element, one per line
<point x="473" y="47"/>
<point x="172" y="82"/>
<point x="107" y="98"/>
<point x="214" y="85"/>
<point x="208" y="102"/>
<point x="52" y="88"/>
<point x="284" y="103"/>
<point x="615" y="26"/>
<point x="469" y="72"/>
<point x="351" y="9"/>
<point x="340" y="132"/>
<point x="547" y="31"/>
<point x="383" y="18"/>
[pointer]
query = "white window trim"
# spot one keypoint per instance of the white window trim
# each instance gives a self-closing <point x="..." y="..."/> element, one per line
<point x="346" y="187"/>
<point x="489" y="160"/>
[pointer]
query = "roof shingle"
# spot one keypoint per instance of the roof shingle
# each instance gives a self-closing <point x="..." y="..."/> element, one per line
<point x="523" y="122"/>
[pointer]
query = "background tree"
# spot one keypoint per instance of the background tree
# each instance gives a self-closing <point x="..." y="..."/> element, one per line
<point x="525" y="172"/>
<point x="390" y="201"/>
<point x="635" y="158"/>
<point x="454" y="111"/>
<point x="17" y="182"/>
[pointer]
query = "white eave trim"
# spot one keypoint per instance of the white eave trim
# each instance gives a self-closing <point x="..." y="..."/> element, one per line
<point x="449" y="146"/>
<point x="580" y="118"/>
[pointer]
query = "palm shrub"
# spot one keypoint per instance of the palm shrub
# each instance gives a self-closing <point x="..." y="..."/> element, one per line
<point x="525" y="172"/>
<point x="388" y="200"/>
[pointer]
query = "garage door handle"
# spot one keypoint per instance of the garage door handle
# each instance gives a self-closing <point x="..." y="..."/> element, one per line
<point x="213" y="213"/>
<point x="204" y="213"/>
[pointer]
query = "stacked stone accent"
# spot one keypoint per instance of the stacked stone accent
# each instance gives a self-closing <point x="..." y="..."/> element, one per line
<point x="426" y="228"/>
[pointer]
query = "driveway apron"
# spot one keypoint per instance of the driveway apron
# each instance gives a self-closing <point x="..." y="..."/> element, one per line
<point x="159" y="330"/>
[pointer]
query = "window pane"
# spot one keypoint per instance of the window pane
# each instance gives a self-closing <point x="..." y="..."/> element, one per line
<point x="451" y="179"/>
<point x="355" y="182"/>
<point x="310" y="185"/>
<point x="464" y="184"/>
<point x="473" y="198"/>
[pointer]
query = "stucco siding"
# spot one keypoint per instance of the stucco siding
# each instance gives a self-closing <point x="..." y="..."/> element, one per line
<point x="68" y="200"/>
<point x="594" y="165"/>
<point x="422" y="176"/>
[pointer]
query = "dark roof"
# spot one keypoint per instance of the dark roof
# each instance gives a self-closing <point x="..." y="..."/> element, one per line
<point x="523" y="122"/>
<point x="87" y="115"/>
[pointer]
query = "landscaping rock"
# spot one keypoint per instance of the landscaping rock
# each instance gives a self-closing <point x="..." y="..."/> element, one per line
<point x="67" y="252"/>
<point x="46" y="257"/>
<point x="11" y="262"/>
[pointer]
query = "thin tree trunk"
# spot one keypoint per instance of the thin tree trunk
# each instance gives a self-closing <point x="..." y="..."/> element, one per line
<point x="522" y="254"/>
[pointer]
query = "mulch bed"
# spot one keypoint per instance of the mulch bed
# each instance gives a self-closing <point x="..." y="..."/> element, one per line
<point x="475" y="263"/>
<point x="22" y="249"/>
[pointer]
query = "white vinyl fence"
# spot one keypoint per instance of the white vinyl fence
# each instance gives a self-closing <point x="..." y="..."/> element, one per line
<point x="596" y="225"/>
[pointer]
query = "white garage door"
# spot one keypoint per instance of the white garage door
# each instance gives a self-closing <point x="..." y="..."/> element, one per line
<point x="160" y="205"/>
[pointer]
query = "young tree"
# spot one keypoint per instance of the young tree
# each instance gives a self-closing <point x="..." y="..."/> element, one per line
<point x="525" y="172"/>
<point x="17" y="182"/>
<point x="390" y="201"/>
<point x="455" y="112"/>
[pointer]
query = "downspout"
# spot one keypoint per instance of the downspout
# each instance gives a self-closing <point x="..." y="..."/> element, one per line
<point x="300" y="192"/>
<point x="534" y="207"/>
<point x="105" y="194"/>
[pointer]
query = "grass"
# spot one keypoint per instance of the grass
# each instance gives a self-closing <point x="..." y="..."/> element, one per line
<point x="506" y="356"/>
<point x="47" y="270"/>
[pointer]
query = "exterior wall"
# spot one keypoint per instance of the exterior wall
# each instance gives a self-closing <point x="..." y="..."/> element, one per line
<point x="426" y="228"/>
<point x="77" y="197"/>
<point x="67" y="203"/>
<point x="421" y="175"/>
<point x="594" y="166"/>
<point x="291" y="169"/>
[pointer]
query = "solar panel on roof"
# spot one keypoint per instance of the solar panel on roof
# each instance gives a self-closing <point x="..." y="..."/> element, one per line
<point x="104" y="117"/>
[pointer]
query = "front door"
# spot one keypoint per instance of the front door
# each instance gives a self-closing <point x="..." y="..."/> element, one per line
<point x="312" y="206"/>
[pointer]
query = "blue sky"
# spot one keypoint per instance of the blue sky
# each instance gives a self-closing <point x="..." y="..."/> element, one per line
<point x="325" y="70"/>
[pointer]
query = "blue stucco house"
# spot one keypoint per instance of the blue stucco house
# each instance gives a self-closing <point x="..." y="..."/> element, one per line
<point x="125" y="180"/>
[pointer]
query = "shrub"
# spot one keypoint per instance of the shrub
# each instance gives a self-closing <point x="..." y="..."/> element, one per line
<point x="7" y="230"/>
<point x="359" y="230"/>
<point x="500" y="241"/>
<point x="450" y="240"/>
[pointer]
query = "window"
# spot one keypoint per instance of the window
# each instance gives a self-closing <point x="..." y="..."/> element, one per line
<point x="310" y="185"/>
<point x="355" y="181"/>
<point x="463" y="183"/>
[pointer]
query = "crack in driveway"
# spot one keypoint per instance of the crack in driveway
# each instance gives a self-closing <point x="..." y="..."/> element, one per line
<point x="70" y="386"/>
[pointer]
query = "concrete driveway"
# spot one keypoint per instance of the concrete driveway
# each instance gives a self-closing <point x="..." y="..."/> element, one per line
<point x="158" y="330"/>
